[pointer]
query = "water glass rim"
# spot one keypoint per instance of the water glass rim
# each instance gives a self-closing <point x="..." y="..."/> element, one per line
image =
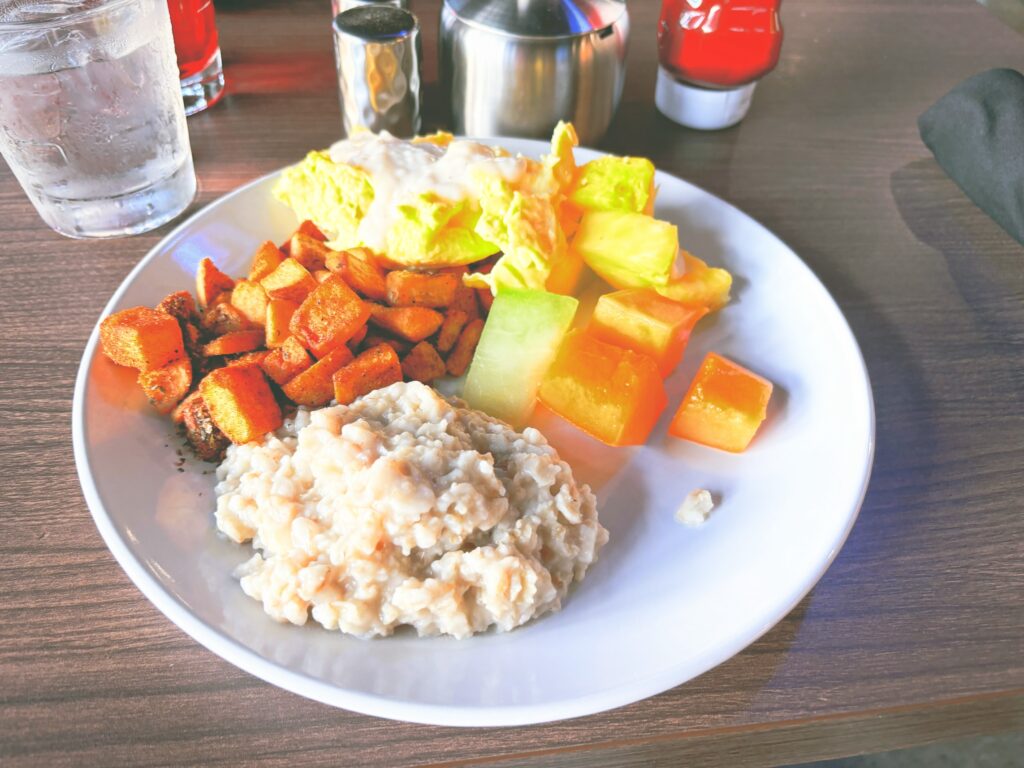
<point x="65" y="20"/>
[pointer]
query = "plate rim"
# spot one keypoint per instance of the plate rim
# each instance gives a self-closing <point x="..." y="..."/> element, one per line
<point x="314" y="688"/>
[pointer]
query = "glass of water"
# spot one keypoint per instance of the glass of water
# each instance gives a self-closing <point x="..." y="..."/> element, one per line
<point x="91" y="117"/>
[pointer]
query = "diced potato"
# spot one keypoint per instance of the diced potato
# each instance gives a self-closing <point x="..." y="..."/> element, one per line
<point x="308" y="251"/>
<point x="141" y="338"/>
<point x="462" y="355"/>
<point x="266" y="259"/>
<point x="375" y="368"/>
<point x="465" y="300"/>
<point x="180" y="305"/>
<point x="454" y="320"/>
<point x="362" y="272"/>
<point x="240" y="402"/>
<point x="210" y="282"/>
<point x="165" y="387"/>
<point x="357" y="337"/>
<point x="206" y="439"/>
<point x="314" y="387"/>
<point x="374" y="338"/>
<point x="190" y="335"/>
<point x="279" y="315"/>
<point x="329" y="316"/>
<point x="336" y="261"/>
<point x="423" y="363"/>
<point x="255" y="357"/>
<point x="407" y="288"/>
<point x="310" y="229"/>
<point x="234" y="343"/>
<point x="486" y="299"/>
<point x="290" y="281"/>
<point x="223" y="318"/>
<point x="250" y="299"/>
<point x="411" y="323"/>
<point x="287" y="361"/>
<point x="322" y="274"/>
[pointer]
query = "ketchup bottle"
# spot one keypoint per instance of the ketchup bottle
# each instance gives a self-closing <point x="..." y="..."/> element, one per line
<point x="711" y="55"/>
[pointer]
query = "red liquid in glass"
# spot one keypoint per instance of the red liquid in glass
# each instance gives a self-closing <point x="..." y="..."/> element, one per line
<point x="195" y="34"/>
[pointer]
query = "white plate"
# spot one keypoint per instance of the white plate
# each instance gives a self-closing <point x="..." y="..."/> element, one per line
<point x="663" y="604"/>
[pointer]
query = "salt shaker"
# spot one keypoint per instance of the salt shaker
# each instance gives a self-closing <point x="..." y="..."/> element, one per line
<point x="376" y="48"/>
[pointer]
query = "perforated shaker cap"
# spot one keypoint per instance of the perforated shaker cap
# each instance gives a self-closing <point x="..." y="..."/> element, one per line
<point x="707" y="109"/>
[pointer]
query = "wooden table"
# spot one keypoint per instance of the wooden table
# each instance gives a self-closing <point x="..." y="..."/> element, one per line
<point x="914" y="634"/>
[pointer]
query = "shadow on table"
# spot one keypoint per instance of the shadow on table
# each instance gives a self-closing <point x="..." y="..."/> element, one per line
<point x="941" y="217"/>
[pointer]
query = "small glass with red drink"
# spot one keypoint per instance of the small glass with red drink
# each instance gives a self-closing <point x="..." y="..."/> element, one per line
<point x="199" y="63"/>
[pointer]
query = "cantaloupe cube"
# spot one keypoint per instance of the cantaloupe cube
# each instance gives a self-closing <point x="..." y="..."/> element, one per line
<point x="611" y="393"/>
<point x="644" y="321"/>
<point x="724" y="406"/>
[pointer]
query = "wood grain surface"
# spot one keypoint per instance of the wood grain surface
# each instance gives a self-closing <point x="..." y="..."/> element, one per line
<point x="913" y="635"/>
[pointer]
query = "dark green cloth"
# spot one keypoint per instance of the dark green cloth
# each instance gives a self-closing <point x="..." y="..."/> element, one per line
<point x="976" y="132"/>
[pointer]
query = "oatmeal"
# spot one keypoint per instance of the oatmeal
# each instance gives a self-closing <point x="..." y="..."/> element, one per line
<point x="405" y="508"/>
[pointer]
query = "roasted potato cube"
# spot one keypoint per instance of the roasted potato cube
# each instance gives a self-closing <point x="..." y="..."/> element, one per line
<point x="357" y="337"/>
<point x="165" y="387"/>
<point x="411" y="323"/>
<point x="210" y="283"/>
<point x="406" y="288"/>
<point x="208" y="442"/>
<point x="255" y="357"/>
<point x="466" y="301"/>
<point x="336" y="261"/>
<point x="279" y="314"/>
<point x="287" y="361"/>
<point x="362" y="272"/>
<point x="141" y="338"/>
<point x="266" y="259"/>
<point x="190" y="335"/>
<point x="314" y="387"/>
<point x="240" y="402"/>
<point x="321" y="274"/>
<point x="375" y="368"/>
<point x="308" y="251"/>
<point x="223" y="318"/>
<point x="234" y="343"/>
<point x="373" y="339"/>
<point x="462" y="355"/>
<point x="454" y="320"/>
<point x="251" y="300"/>
<point x="423" y="363"/>
<point x="486" y="299"/>
<point x="180" y="305"/>
<point x="329" y="316"/>
<point x="307" y="228"/>
<point x="290" y="281"/>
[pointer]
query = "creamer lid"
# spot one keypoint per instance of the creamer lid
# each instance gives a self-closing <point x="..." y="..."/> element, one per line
<point x="539" y="18"/>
